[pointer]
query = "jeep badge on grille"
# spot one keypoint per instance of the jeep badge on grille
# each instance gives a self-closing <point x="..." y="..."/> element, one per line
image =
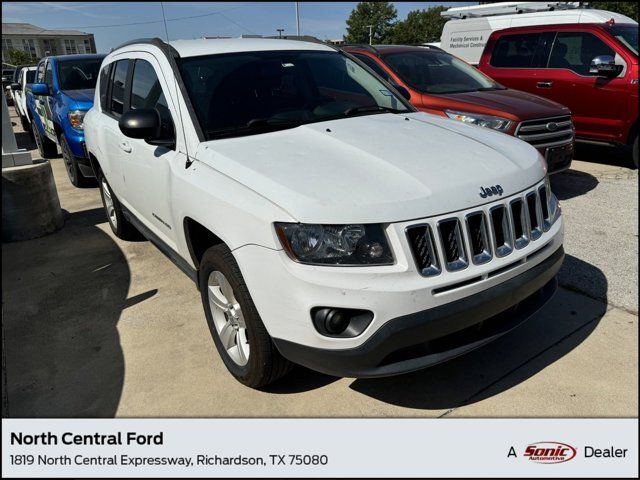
<point x="491" y="191"/>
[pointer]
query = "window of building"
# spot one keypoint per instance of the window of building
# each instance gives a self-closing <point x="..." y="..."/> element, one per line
<point x="29" y="46"/>
<point x="7" y="45"/>
<point x="70" y="47"/>
<point x="87" y="46"/>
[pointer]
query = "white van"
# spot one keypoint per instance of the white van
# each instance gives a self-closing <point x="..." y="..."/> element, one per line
<point x="466" y="34"/>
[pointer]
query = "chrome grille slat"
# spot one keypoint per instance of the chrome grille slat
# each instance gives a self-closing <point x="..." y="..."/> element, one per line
<point x="479" y="243"/>
<point x="519" y="223"/>
<point x="452" y="243"/>
<point x="501" y="231"/>
<point x="537" y="131"/>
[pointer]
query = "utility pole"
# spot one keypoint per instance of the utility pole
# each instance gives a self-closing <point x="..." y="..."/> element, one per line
<point x="370" y="27"/>
<point x="297" y="19"/>
<point x="279" y="30"/>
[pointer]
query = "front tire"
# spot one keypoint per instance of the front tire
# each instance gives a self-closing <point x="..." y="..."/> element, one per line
<point x="120" y="226"/>
<point x="235" y="325"/>
<point x="73" y="170"/>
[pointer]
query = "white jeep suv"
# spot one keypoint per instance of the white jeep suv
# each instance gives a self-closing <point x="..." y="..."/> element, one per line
<point x="324" y="220"/>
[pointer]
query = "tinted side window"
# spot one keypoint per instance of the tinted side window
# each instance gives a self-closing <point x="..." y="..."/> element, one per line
<point x="40" y="72"/>
<point x="373" y="65"/>
<point x="146" y="91"/>
<point x="515" y="51"/>
<point x="575" y="50"/>
<point x="117" y="87"/>
<point x="104" y="86"/>
<point x="48" y="75"/>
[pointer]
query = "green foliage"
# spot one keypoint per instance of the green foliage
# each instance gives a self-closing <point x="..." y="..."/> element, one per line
<point x="630" y="9"/>
<point x="382" y="15"/>
<point x="19" y="57"/>
<point x="420" y="26"/>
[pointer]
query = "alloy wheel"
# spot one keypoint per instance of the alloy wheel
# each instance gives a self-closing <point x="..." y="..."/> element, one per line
<point x="228" y="318"/>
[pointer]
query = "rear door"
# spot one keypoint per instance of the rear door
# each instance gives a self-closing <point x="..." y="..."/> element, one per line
<point x="515" y="58"/>
<point x="595" y="102"/>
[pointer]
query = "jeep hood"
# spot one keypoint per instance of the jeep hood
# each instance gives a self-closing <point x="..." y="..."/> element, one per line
<point x="375" y="168"/>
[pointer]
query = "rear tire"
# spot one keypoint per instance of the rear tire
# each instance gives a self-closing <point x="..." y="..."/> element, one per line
<point x="46" y="147"/>
<point x="238" y="332"/>
<point x="120" y="226"/>
<point x="73" y="170"/>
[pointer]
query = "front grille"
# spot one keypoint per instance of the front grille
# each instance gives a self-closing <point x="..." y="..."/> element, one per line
<point x="546" y="132"/>
<point x="479" y="236"/>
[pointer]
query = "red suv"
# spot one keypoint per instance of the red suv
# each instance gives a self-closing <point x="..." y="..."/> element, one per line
<point x="437" y="82"/>
<point x="591" y="68"/>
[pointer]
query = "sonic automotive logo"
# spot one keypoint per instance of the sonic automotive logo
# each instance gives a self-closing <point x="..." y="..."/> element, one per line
<point x="550" y="452"/>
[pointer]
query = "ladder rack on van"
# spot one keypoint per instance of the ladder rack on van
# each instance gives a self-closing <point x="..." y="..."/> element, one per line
<point x="509" y="8"/>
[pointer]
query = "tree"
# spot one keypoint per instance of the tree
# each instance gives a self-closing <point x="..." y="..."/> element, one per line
<point x="19" y="57"/>
<point x="630" y="9"/>
<point x="381" y="15"/>
<point x="420" y="26"/>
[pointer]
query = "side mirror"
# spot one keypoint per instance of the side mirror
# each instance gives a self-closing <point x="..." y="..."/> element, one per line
<point x="40" y="89"/>
<point x="146" y="124"/>
<point x="141" y="123"/>
<point x="402" y="91"/>
<point x="605" y="66"/>
<point x="16" y="86"/>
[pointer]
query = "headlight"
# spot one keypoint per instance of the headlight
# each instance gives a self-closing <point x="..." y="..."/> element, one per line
<point x="335" y="244"/>
<point x="487" y="121"/>
<point x="75" y="118"/>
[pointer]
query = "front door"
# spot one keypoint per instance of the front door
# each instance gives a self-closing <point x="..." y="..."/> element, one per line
<point x="146" y="168"/>
<point x="595" y="102"/>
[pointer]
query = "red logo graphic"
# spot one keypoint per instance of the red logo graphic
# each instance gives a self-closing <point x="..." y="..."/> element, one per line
<point x="550" y="452"/>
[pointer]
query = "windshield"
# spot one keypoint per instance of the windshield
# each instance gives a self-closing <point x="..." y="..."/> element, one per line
<point x="628" y="36"/>
<point x="438" y="72"/>
<point x="78" y="74"/>
<point x="254" y="92"/>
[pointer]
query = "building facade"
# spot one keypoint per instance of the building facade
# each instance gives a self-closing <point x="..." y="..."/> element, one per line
<point x="40" y="42"/>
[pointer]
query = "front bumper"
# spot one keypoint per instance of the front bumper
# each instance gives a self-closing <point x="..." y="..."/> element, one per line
<point x="558" y="158"/>
<point x="432" y="336"/>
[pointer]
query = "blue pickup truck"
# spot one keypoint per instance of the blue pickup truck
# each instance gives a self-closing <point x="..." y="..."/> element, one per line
<point x="57" y="103"/>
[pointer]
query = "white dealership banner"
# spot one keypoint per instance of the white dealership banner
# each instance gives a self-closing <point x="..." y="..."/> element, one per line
<point x="241" y="447"/>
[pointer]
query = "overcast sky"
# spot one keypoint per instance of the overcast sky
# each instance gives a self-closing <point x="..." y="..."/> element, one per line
<point x="108" y="20"/>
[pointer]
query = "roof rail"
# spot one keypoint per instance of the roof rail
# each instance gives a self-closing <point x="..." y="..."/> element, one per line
<point x="158" y="42"/>
<point x="509" y="8"/>
<point x="364" y="46"/>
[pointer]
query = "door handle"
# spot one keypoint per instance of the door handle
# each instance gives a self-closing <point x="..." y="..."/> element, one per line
<point x="125" y="146"/>
<point x="547" y="84"/>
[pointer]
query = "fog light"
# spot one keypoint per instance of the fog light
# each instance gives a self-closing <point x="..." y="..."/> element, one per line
<point x="340" y="322"/>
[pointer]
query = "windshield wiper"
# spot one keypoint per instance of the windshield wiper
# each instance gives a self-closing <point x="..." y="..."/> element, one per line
<point x="270" y="121"/>
<point x="371" y="108"/>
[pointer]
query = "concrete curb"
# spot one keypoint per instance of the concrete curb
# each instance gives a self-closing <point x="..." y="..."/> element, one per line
<point x="30" y="204"/>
